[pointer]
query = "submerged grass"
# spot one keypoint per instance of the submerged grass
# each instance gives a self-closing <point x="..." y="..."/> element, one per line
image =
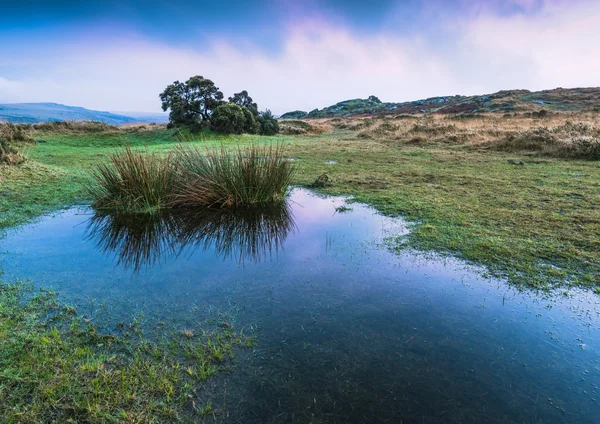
<point x="57" y="367"/>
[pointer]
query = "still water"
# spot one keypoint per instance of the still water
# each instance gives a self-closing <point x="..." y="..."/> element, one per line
<point x="347" y="331"/>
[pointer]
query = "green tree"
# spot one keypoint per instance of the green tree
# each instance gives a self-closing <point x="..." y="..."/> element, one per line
<point x="228" y="118"/>
<point x="252" y="125"/>
<point x="244" y="100"/>
<point x="191" y="103"/>
<point x="268" y="123"/>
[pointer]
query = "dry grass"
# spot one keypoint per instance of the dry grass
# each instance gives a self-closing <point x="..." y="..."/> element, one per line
<point x="71" y="127"/>
<point x="566" y="135"/>
<point x="299" y="127"/>
<point x="12" y="139"/>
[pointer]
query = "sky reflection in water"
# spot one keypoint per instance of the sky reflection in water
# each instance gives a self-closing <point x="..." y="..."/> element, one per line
<point x="347" y="331"/>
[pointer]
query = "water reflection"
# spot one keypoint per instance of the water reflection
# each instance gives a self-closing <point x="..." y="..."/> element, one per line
<point x="347" y="331"/>
<point x="143" y="240"/>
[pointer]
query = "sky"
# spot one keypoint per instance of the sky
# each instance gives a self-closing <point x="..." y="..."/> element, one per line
<point x="304" y="54"/>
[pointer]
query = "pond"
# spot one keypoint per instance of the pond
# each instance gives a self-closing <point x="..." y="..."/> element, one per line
<point x="347" y="331"/>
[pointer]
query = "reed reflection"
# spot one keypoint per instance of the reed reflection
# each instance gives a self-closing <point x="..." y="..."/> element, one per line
<point x="139" y="241"/>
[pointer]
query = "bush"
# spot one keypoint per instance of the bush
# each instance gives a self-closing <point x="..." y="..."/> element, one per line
<point x="251" y="126"/>
<point x="11" y="136"/>
<point x="581" y="147"/>
<point x="74" y="127"/>
<point x="570" y="140"/>
<point x="228" y="118"/>
<point x="268" y="123"/>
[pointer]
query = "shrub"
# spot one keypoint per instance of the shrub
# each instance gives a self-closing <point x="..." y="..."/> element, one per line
<point x="295" y="127"/>
<point x="534" y="139"/>
<point x="268" y="123"/>
<point x="251" y="126"/>
<point x="11" y="136"/>
<point x="74" y="127"/>
<point x="228" y="118"/>
<point x="132" y="181"/>
<point x="570" y="140"/>
<point x="581" y="147"/>
<point x="231" y="178"/>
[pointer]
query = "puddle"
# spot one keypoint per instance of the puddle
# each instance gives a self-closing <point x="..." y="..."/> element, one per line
<point x="346" y="330"/>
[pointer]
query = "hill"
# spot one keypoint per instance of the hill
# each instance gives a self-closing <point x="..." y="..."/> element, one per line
<point x="508" y="101"/>
<point x="31" y="113"/>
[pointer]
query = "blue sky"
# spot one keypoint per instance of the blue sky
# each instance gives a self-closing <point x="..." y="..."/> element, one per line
<point x="118" y="55"/>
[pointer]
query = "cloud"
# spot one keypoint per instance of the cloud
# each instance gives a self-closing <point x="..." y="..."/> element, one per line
<point x="9" y="90"/>
<point x="319" y="64"/>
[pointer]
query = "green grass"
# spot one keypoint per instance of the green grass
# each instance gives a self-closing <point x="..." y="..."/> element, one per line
<point x="231" y="177"/>
<point x="189" y="177"/>
<point x="55" y="366"/>
<point x="133" y="181"/>
<point x="537" y="224"/>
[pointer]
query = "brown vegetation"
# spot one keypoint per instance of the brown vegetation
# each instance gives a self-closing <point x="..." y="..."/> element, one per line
<point x="12" y="138"/>
<point x="299" y="127"/>
<point x="565" y="135"/>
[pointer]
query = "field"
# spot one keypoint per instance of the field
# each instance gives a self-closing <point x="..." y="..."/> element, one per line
<point x="519" y="195"/>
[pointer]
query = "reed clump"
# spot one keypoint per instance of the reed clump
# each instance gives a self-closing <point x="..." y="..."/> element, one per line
<point x="131" y="180"/>
<point x="11" y="138"/>
<point x="221" y="177"/>
<point x="190" y="177"/>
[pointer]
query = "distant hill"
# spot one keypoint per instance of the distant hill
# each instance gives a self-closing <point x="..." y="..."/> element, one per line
<point x="508" y="101"/>
<point x="31" y="113"/>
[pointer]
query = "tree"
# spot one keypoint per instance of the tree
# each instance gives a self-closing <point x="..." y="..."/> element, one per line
<point x="268" y="123"/>
<point x="252" y="125"/>
<point x="228" y="118"/>
<point x="244" y="100"/>
<point x="191" y="103"/>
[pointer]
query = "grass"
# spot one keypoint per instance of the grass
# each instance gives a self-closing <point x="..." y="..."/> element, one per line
<point x="138" y="181"/>
<point x="466" y="188"/>
<point x="56" y="366"/>
<point x="188" y="177"/>
<point x="537" y="224"/>
<point x="11" y="138"/>
<point x="225" y="177"/>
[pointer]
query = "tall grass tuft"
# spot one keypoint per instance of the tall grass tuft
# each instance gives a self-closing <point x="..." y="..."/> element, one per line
<point x="221" y="177"/>
<point x="11" y="138"/>
<point x="132" y="181"/>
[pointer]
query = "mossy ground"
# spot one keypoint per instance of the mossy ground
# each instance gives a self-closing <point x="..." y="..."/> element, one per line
<point x="56" y="367"/>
